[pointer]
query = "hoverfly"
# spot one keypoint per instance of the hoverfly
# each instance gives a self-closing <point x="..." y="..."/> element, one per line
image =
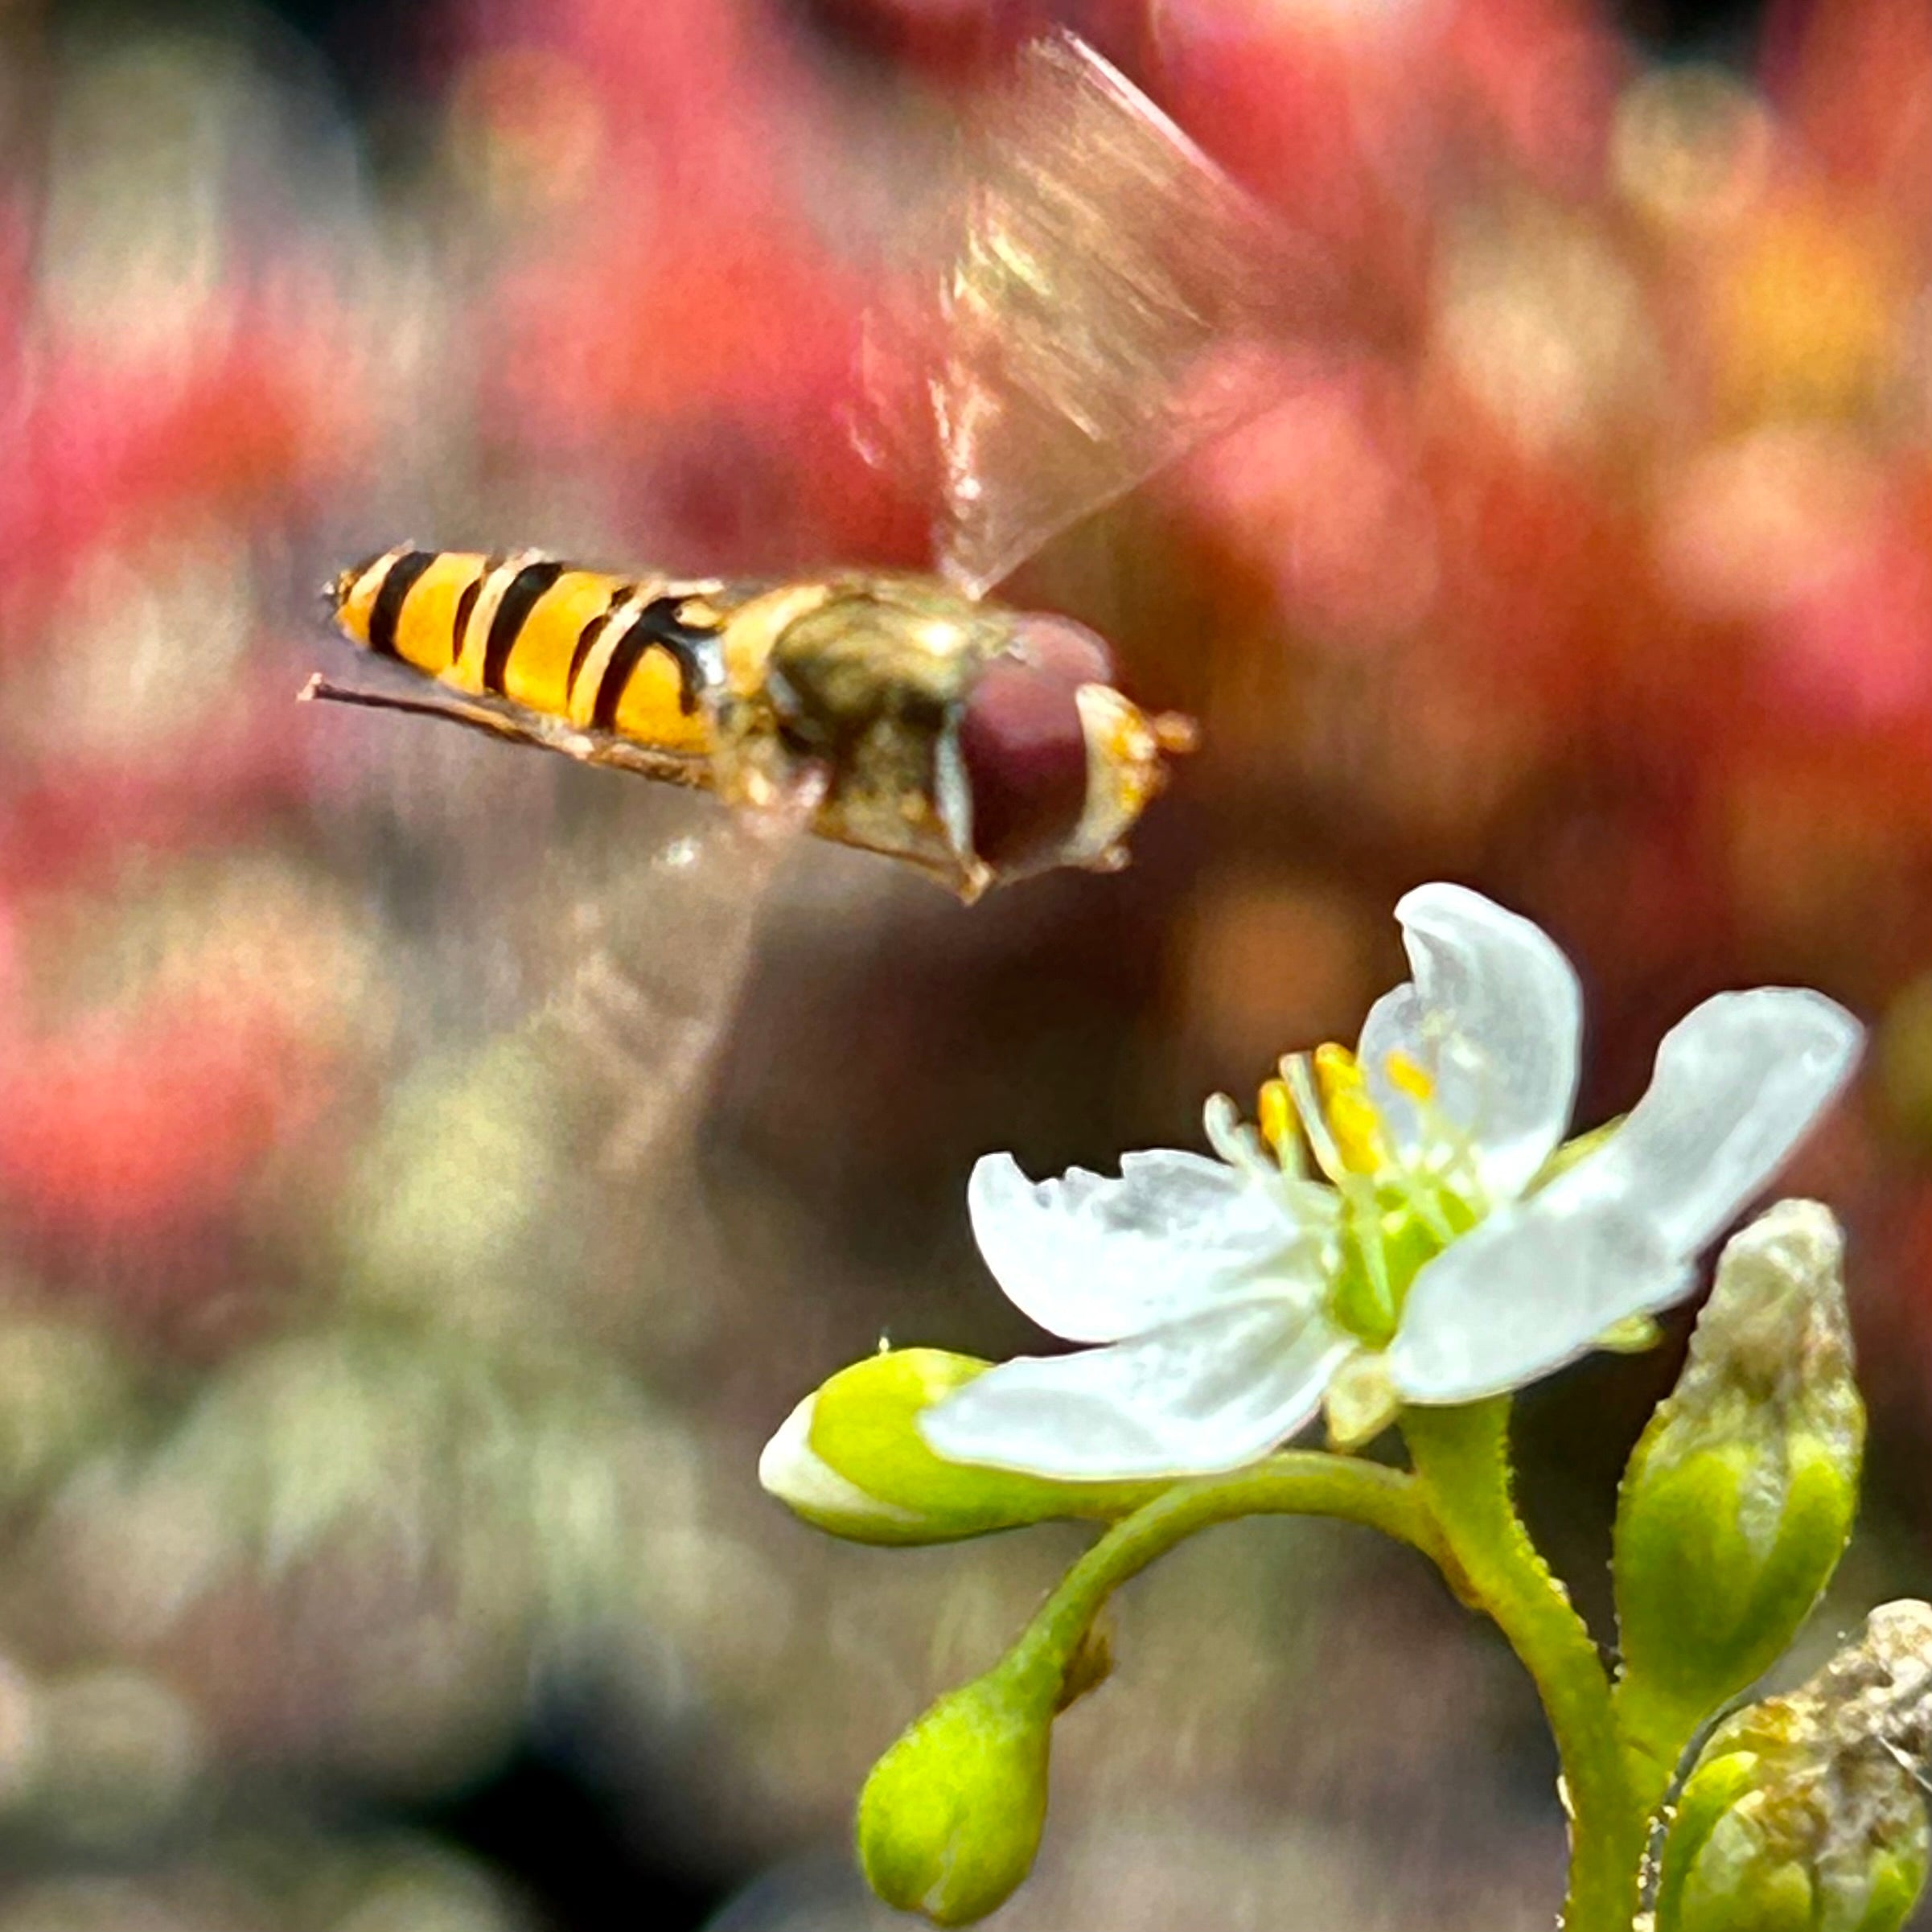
<point x="889" y="713"/>
<point x="1104" y="278"/>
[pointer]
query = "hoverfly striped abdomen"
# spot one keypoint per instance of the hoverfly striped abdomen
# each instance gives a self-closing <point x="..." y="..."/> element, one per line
<point x="585" y="647"/>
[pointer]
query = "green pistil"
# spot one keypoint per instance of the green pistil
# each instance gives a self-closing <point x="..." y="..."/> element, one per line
<point x="1390" y="1227"/>
<point x="1364" y="1299"/>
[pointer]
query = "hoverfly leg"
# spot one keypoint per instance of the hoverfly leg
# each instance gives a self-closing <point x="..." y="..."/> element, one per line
<point x="520" y="727"/>
<point x="456" y="709"/>
<point x="773" y="809"/>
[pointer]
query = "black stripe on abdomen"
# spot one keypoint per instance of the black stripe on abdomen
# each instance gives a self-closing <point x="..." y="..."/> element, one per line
<point x="385" y="613"/>
<point x="657" y="623"/>
<point x="624" y="659"/>
<point x="586" y="640"/>
<point x="586" y="644"/>
<point x="466" y="605"/>
<point x="512" y="612"/>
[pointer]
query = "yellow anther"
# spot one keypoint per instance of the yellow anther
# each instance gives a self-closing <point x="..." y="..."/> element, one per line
<point x="1410" y="1077"/>
<point x="1275" y="1111"/>
<point x="1351" y="1114"/>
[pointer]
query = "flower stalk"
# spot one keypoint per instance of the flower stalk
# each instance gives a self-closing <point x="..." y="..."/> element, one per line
<point x="1297" y="1482"/>
<point x="1461" y="1459"/>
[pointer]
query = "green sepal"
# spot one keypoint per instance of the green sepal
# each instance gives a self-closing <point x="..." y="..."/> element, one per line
<point x="1896" y="1882"/>
<point x="1704" y="1609"/>
<point x="1634" y="1335"/>
<point x="1736" y="1887"/>
<point x="1579" y="1148"/>
<point x="1741" y="1856"/>
<point x="1706" y="1800"/>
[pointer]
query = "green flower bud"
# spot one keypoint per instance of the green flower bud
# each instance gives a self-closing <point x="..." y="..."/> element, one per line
<point x="949" y="1822"/>
<point x="1804" y="1812"/>
<point x="850" y="1459"/>
<point x="1740" y="1495"/>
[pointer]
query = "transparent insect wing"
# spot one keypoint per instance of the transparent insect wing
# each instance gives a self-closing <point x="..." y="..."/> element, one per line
<point x="655" y="940"/>
<point x="623" y="917"/>
<point x="1106" y="297"/>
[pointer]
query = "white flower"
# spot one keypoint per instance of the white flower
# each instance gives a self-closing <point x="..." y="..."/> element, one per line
<point x="1233" y="1295"/>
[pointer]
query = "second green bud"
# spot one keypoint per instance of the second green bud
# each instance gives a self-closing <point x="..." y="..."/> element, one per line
<point x="1741" y="1494"/>
<point x="950" y="1819"/>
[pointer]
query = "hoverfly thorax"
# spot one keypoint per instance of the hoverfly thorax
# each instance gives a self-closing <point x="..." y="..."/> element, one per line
<point x="979" y="743"/>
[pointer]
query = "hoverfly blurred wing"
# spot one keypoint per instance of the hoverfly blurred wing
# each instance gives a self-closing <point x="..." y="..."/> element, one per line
<point x="1106" y="297"/>
<point x="638" y="926"/>
<point x="661" y="938"/>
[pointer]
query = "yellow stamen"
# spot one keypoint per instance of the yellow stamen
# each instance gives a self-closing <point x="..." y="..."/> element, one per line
<point x="1412" y="1080"/>
<point x="1298" y="1075"/>
<point x="1352" y="1118"/>
<point x="1277" y="1113"/>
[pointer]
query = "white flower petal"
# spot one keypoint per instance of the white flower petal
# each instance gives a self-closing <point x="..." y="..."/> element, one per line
<point x="1738" y="1083"/>
<point x="1209" y="1393"/>
<point x="1530" y="1288"/>
<point x="1494" y="1018"/>
<point x="1093" y="1259"/>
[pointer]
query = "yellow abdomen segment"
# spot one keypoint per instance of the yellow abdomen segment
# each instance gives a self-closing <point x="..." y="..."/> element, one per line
<point x="581" y="645"/>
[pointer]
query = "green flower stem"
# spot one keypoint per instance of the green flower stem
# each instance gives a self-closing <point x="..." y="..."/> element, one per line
<point x="1298" y="1482"/>
<point x="1461" y="1459"/>
<point x="1655" y="1736"/>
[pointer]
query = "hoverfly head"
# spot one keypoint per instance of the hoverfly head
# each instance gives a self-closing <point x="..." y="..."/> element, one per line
<point x="1059" y="763"/>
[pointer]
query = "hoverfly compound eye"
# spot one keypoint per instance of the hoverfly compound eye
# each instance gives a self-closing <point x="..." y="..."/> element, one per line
<point x="1024" y="744"/>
